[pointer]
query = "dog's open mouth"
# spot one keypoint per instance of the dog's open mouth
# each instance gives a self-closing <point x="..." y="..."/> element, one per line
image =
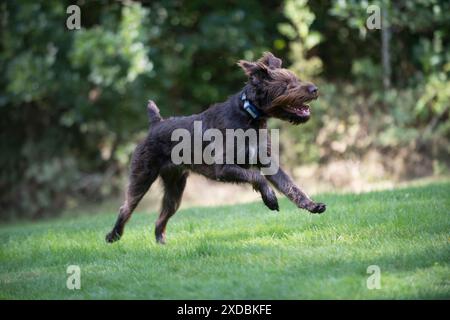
<point x="300" y="111"/>
<point x="295" y="112"/>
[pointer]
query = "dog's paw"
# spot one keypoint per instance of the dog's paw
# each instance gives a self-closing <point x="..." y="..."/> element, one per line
<point x="161" y="238"/>
<point x="111" y="237"/>
<point x="270" y="199"/>
<point x="317" y="208"/>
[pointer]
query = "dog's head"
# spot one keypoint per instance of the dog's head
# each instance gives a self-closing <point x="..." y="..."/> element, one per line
<point x="277" y="91"/>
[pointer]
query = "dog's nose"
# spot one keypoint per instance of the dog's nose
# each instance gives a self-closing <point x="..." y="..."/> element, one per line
<point x="312" y="89"/>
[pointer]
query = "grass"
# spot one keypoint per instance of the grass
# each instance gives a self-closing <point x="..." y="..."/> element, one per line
<point x="243" y="252"/>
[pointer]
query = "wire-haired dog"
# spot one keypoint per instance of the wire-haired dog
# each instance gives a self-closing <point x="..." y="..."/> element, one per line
<point x="271" y="91"/>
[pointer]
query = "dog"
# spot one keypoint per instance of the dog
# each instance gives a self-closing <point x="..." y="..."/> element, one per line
<point x="270" y="92"/>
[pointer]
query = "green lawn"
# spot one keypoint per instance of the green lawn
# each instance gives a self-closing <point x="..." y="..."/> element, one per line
<point x="243" y="251"/>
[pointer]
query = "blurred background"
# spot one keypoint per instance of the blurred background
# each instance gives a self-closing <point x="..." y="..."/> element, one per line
<point x="73" y="102"/>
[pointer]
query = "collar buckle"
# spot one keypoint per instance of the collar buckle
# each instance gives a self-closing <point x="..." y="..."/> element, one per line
<point x="250" y="108"/>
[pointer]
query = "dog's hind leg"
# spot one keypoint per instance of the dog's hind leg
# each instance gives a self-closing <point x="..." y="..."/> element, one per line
<point x="174" y="182"/>
<point x="143" y="174"/>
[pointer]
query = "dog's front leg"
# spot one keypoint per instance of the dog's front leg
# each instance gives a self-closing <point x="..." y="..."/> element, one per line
<point x="285" y="185"/>
<point x="234" y="173"/>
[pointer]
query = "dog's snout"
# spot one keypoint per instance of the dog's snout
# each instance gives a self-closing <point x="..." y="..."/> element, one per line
<point x="312" y="89"/>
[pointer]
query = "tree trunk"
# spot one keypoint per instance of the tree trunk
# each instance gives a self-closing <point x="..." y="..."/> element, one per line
<point x="385" y="50"/>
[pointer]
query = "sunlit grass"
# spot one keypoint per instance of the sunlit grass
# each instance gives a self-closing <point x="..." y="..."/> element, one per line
<point x="243" y="251"/>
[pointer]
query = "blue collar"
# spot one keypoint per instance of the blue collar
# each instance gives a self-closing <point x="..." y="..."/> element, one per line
<point x="250" y="108"/>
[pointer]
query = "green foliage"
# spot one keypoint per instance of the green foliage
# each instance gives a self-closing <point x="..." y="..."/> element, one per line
<point x="72" y="104"/>
<point x="74" y="101"/>
<point x="302" y="38"/>
<point x="243" y="252"/>
<point x="355" y="114"/>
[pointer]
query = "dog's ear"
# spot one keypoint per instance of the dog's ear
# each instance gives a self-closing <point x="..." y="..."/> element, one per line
<point x="256" y="71"/>
<point x="252" y="68"/>
<point x="270" y="60"/>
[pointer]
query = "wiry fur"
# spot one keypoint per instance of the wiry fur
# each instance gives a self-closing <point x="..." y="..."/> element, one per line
<point x="277" y="92"/>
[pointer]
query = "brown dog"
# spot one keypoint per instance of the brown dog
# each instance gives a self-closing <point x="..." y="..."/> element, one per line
<point x="271" y="91"/>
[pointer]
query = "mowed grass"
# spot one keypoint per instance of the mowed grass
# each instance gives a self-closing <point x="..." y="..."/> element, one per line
<point x="243" y="252"/>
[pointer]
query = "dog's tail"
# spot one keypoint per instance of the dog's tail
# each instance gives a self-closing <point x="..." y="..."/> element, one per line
<point x="153" y="113"/>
